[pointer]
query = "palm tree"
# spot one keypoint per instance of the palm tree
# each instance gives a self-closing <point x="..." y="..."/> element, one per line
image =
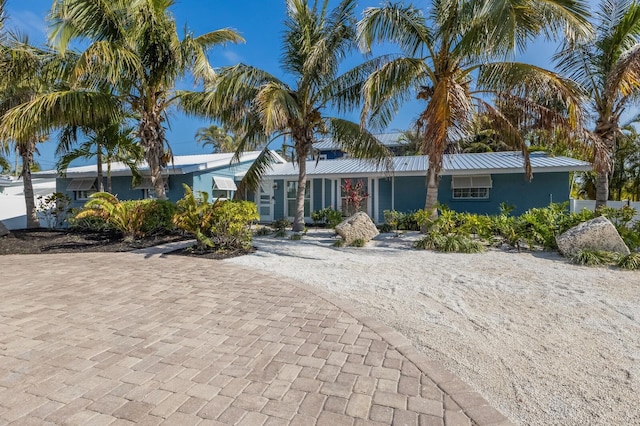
<point x="457" y="59"/>
<point x="108" y="144"/>
<point x="218" y="138"/>
<point x="607" y="65"/>
<point x="28" y="72"/>
<point x="134" y="48"/>
<point x="315" y="42"/>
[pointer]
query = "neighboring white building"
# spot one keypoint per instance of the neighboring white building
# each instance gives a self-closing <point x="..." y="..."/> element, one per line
<point x="13" y="212"/>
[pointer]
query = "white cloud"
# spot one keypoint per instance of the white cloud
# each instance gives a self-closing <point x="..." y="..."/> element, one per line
<point x="232" y="56"/>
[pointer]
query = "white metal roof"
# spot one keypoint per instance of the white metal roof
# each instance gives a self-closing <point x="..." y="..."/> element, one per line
<point x="182" y="164"/>
<point x="453" y="164"/>
<point x="387" y="139"/>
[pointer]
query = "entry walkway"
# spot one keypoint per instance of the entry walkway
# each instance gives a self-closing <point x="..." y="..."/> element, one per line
<point x="116" y="339"/>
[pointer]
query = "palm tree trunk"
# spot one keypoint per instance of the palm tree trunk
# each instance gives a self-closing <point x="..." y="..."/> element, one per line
<point x="26" y="152"/>
<point x="432" y="192"/>
<point x="109" y="187"/>
<point x="602" y="189"/>
<point x="151" y="134"/>
<point x="298" y="221"/>
<point x="99" y="167"/>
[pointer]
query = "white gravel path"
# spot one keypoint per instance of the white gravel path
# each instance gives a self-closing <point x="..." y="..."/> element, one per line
<point x="544" y="341"/>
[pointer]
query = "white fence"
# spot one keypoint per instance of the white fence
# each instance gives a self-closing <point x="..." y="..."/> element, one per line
<point x="579" y="205"/>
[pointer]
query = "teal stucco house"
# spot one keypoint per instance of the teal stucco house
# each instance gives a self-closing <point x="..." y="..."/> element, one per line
<point x="475" y="183"/>
<point x="215" y="174"/>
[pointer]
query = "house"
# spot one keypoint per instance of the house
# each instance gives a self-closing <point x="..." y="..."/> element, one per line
<point x="476" y="183"/>
<point x="215" y="174"/>
<point x="327" y="149"/>
<point x="13" y="211"/>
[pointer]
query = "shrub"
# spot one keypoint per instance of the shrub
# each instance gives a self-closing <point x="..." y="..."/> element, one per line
<point x="631" y="261"/>
<point x="88" y="222"/>
<point x="230" y="222"/>
<point x="338" y="243"/>
<point x="263" y="231"/>
<point x="327" y="216"/>
<point x="358" y="242"/>
<point x="296" y="237"/>
<point x="158" y="216"/>
<point x="281" y="226"/>
<point x="593" y="258"/>
<point x="55" y="208"/>
<point x="449" y="243"/>
<point x="221" y="224"/>
<point x="125" y="217"/>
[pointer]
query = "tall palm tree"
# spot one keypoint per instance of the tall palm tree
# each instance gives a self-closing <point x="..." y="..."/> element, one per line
<point x="457" y="59"/>
<point x="28" y="72"/>
<point x="217" y="138"/>
<point x="607" y="65"/>
<point x="107" y="144"/>
<point x="315" y="42"/>
<point x="135" y="48"/>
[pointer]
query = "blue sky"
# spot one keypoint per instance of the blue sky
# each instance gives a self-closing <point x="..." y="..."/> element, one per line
<point x="258" y="21"/>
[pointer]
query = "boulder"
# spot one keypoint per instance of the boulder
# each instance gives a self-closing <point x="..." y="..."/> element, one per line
<point x="358" y="226"/>
<point x="595" y="234"/>
<point x="3" y="230"/>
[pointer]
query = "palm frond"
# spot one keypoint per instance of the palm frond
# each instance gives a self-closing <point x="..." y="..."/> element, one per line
<point x="358" y="142"/>
<point x="252" y="178"/>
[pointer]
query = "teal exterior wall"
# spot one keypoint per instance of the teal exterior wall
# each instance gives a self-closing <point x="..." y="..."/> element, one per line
<point x="410" y="193"/>
<point x="317" y="202"/>
<point x="327" y="193"/>
<point x="278" y="193"/>
<point x="385" y="186"/>
<point x="512" y="189"/>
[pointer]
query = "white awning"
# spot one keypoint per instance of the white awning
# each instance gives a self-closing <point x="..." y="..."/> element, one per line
<point x="224" y="184"/>
<point x="82" y="185"/>
<point x="462" y="182"/>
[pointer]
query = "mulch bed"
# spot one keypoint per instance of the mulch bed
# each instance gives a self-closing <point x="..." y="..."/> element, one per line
<point x="212" y="253"/>
<point x="43" y="240"/>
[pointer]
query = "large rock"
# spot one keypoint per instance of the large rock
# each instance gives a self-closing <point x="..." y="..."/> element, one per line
<point x="595" y="234"/>
<point x="358" y="226"/>
<point x="3" y="230"/>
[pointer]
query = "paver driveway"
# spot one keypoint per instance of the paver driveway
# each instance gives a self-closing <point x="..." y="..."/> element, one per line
<point x="97" y="339"/>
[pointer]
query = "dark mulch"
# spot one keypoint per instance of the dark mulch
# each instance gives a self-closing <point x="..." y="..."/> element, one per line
<point x="42" y="240"/>
<point x="212" y="253"/>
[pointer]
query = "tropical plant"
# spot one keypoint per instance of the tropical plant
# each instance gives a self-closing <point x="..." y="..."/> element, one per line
<point x="125" y="218"/>
<point x="354" y="195"/>
<point x="107" y="144"/>
<point x="217" y="138"/>
<point x="440" y="58"/>
<point x="231" y="225"/>
<point x="607" y="66"/>
<point x="134" y="48"/>
<point x="195" y="215"/>
<point x="257" y="103"/>
<point x="55" y="208"/>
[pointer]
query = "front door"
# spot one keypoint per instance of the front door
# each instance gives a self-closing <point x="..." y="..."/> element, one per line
<point x="265" y="202"/>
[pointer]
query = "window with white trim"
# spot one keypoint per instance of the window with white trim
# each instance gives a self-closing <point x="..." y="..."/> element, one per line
<point x="222" y="187"/>
<point x="471" y="187"/>
<point x="82" y="188"/>
<point x="146" y="186"/>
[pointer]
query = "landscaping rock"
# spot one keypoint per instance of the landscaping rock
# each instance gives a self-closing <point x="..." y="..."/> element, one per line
<point x="358" y="226"/>
<point x="3" y="230"/>
<point x="595" y="234"/>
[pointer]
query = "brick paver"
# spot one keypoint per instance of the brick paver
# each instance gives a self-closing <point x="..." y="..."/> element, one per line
<point x="120" y="338"/>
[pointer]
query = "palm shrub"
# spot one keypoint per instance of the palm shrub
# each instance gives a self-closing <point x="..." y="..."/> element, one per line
<point x="126" y="218"/>
<point x="195" y="216"/>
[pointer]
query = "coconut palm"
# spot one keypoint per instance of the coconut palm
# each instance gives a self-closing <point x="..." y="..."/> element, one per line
<point x="135" y="48"/>
<point x="457" y="59"/>
<point x="217" y="138"/>
<point x="107" y="144"/>
<point x="315" y="42"/>
<point x="607" y="65"/>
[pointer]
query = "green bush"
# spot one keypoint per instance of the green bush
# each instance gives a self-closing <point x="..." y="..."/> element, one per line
<point x="221" y="224"/>
<point x="449" y="243"/>
<point x="157" y="215"/>
<point x="125" y="217"/>
<point x="327" y="216"/>
<point x="338" y="243"/>
<point x="281" y="226"/>
<point x="593" y="258"/>
<point x="87" y="222"/>
<point x="295" y="237"/>
<point x="230" y="224"/>
<point x="358" y="242"/>
<point x="631" y="261"/>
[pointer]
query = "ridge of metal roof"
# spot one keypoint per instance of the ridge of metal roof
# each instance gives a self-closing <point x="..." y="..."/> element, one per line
<point x="387" y="139"/>
<point x="181" y="164"/>
<point x="453" y="164"/>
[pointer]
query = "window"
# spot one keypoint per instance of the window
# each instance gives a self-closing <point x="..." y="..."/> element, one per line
<point x="471" y="187"/>
<point x="222" y="187"/>
<point x="82" y="188"/>
<point x="146" y="186"/>
<point x="292" y="189"/>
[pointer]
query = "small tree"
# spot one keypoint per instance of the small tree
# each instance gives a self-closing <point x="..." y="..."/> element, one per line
<point x="354" y="196"/>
